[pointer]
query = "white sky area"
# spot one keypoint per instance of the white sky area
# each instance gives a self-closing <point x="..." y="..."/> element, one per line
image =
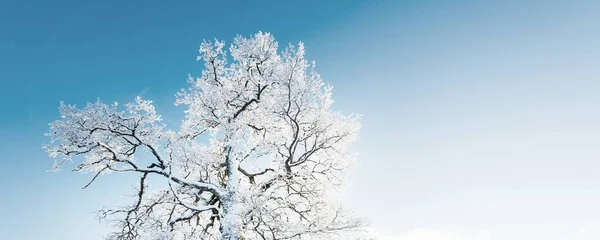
<point x="480" y="123"/>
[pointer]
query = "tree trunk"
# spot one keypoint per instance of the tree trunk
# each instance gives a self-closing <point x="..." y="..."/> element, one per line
<point x="231" y="222"/>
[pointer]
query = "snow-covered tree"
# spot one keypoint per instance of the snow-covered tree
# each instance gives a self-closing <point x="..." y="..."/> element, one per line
<point x="259" y="155"/>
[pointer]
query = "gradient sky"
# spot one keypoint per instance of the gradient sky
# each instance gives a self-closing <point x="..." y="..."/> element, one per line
<point x="480" y="117"/>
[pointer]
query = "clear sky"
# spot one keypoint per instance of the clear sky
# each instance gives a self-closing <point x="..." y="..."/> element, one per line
<point x="481" y="118"/>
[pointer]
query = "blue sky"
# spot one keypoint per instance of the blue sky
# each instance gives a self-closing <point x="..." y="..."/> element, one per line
<point x="480" y="117"/>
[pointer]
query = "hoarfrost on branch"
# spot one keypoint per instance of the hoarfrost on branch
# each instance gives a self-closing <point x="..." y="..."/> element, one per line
<point x="260" y="154"/>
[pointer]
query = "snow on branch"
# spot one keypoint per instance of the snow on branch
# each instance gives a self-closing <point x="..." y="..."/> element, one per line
<point x="259" y="155"/>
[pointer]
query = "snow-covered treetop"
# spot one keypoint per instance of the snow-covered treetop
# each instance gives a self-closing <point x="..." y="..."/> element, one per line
<point x="271" y="152"/>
